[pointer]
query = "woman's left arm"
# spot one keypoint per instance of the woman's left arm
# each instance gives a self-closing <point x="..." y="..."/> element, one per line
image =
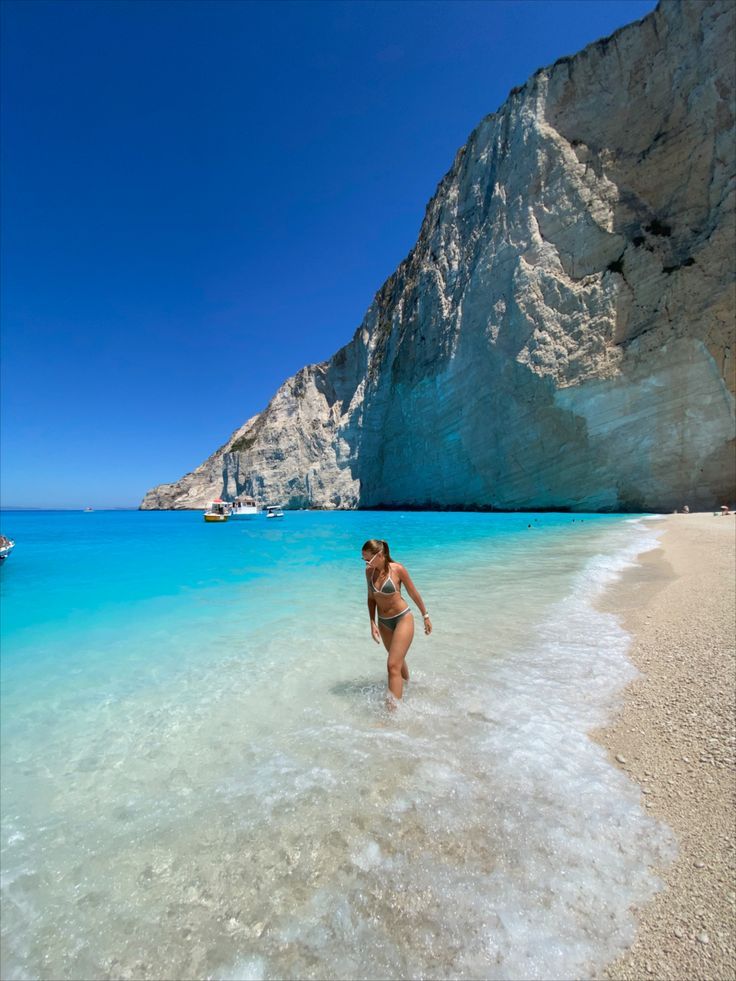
<point x="414" y="593"/>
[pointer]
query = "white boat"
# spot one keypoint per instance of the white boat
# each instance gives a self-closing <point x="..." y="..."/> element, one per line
<point x="274" y="511"/>
<point x="217" y="510"/>
<point x="244" y="507"/>
<point x="6" y="547"/>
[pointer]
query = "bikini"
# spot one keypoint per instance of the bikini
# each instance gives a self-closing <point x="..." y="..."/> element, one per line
<point x="389" y="622"/>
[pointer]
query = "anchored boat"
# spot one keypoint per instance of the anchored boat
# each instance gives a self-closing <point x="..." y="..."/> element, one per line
<point x="217" y="510"/>
<point x="6" y="547"/>
<point x="245" y="507"/>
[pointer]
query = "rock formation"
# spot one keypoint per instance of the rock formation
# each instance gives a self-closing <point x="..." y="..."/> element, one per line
<point x="562" y="334"/>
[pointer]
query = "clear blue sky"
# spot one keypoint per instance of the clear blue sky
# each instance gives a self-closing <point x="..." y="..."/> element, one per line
<point x="199" y="198"/>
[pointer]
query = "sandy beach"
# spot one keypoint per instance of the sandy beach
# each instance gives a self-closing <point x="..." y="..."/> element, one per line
<point x="674" y="735"/>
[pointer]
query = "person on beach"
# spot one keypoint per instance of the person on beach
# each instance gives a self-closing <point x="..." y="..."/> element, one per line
<point x="395" y="626"/>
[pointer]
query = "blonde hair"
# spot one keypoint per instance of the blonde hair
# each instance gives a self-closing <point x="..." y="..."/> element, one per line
<point x="376" y="545"/>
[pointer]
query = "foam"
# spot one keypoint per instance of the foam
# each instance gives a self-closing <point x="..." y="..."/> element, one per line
<point x="248" y="969"/>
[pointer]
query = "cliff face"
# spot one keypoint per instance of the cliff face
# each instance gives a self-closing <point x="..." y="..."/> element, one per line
<point x="562" y="333"/>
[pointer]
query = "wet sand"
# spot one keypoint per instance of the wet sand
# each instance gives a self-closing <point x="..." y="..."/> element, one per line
<point x="674" y="735"/>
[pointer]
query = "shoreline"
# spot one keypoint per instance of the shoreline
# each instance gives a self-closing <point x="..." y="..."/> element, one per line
<point x="673" y="735"/>
<point x="414" y="508"/>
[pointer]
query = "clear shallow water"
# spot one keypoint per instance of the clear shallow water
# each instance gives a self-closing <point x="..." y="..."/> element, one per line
<point x="200" y="778"/>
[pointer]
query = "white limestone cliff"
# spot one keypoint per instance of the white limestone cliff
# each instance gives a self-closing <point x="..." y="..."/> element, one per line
<point x="562" y="334"/>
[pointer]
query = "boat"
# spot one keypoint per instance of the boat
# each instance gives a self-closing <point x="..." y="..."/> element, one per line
<point x="88" y="510"/>
<point x="6" y="547"/>
<point x="274" y="511"/>
<point x="244" y="507"/>
<point x="217" y="510"/>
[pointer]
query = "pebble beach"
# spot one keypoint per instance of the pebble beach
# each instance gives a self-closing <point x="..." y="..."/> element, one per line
<point x="674" y="736"/>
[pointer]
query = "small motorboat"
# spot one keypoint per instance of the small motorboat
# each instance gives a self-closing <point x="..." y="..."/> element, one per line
<point x="274" y="511"/>
<point x="6" y="547"/>
<point x="245" y="507"/>
<point x="217" y="510"/>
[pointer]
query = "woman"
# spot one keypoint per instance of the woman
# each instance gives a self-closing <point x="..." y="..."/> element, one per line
<point x="395" y="622"/>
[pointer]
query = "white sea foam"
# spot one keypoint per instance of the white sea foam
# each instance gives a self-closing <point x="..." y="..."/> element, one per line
<point x="249" y="969"/>
<point x="265" y="816"/>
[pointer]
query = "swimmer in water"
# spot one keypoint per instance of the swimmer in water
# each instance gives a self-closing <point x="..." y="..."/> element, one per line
<point x="395" y="626"/>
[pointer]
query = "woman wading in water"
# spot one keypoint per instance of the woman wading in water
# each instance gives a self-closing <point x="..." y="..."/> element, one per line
<point x="395" y="622"/>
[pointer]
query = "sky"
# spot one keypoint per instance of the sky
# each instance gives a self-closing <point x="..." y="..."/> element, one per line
<point x="199" y="198"/>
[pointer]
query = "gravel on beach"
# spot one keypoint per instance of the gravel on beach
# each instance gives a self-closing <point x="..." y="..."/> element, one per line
<point x="674" y="736"/>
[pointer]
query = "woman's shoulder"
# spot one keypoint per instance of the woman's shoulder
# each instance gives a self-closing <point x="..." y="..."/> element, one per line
<point x="401" y="573"/>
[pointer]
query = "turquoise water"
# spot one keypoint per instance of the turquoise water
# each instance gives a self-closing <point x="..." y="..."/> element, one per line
<point x="201" y="779"/>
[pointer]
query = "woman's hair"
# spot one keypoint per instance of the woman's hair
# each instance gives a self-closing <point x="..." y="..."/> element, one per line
<point x="376" y="545"/>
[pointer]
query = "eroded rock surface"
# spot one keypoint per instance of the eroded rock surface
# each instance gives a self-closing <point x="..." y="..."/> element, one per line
<point x="562" y="334"/>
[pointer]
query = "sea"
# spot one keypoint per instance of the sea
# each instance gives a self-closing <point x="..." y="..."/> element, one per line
<point x="202" y="776"/>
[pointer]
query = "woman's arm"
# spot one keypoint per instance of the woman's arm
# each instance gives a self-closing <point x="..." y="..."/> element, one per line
<point x="414" y="593"/>
<point x="375" y="633"/>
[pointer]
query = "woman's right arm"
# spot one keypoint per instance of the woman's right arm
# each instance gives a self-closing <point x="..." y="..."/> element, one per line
<point x="375" y="634"/>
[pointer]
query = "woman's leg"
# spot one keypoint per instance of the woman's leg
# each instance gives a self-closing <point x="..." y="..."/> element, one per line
<point x="387" y="636"/>
<point x="400" y="644"/>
